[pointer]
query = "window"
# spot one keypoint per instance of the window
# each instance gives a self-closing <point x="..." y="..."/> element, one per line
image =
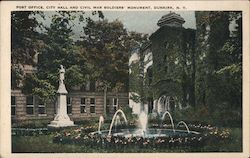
<point x="41" y="108"/>
<point x="69" y="106"/>
<point x="13" y="105"/>
<point x="108" y="106"/>
<point x="92" y="100"/>
<point x="30" y="105"/>
<point x="83" y="105"/>
<point x="92" y="105"/>
<point x="150" y="105"/>
<point x="115" y="103"/>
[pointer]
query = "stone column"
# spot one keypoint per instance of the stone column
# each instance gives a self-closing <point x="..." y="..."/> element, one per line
<point x="61" y="119"/>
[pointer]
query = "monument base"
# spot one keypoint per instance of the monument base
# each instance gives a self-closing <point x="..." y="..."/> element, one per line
<point x="59" y="124"/>
<point x="61" y="121"/>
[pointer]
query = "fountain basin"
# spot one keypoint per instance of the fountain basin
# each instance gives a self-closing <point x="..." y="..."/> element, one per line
<point x="154" y="137"/>
<point x="149" y="133"/>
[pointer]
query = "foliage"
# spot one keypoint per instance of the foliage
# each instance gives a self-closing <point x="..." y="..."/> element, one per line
<point x="25" y="43"/>
<point x="174" y="64"/>
<point x="59" y="49"/>
<point x="104" y="42"/>
<point x="139" y="85"/>
<point x="108" y="45"/>
<point x="220" y="64"/>
<point x="128" y="113"/>
<point x="17" y="75"/>
<point x="42" y="88"/>
<point x="24" y="37"/>
<point x="29" y="132"/>
<point x="221" y="117"/>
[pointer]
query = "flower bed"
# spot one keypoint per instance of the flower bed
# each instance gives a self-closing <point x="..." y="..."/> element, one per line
<point x="209" y="135"/>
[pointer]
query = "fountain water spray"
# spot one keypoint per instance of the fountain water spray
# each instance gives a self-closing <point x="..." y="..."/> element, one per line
<point x="114" y="118"/>
<point x="143" y="130"/>
<point x="184" y="125"/>
<point x="171" y="119"/>
<point x="101" y="121"/>
<point x="117" y="121"/>
<point x="143" y="119"/>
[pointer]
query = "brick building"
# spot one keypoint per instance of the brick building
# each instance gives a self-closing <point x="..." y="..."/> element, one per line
<point x="82" y="104"/>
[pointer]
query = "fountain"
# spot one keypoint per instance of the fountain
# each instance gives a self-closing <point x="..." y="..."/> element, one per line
<point x="144" y="136"/>
<point x="101" y="121"/>
<point x="143" y="120"/>
<point x="114" y="118"/>
<point x="143" y="130"/>
<point x="184" y="125"/>
<point x="171" y="119"/>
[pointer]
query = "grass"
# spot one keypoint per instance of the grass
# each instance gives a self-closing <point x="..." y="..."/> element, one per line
<point x="44" y="144"/>
<point x="235" y="144"/>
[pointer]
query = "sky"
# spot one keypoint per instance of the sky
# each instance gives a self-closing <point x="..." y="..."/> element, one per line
<point x="139" y="21"/>
<point x="146" y="21"/>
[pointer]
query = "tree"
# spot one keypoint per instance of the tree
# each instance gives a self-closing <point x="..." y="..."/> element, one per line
<point x="25" y="43"/>
<point x="104" y="41"/>
<point x="59" y="49"/>
<point x="109" y="45"/>
<point x="219" y="63"/>
<point x="231" y="67"/>
<point x="214" y="35"/>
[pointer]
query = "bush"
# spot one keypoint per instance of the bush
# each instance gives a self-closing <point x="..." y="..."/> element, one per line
<point x="227" y="117"/>
<point x="221" y="116"/>
<point x="31" y="124"/>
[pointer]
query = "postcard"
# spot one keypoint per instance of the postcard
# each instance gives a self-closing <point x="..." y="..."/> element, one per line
<point x="124" y="78"/>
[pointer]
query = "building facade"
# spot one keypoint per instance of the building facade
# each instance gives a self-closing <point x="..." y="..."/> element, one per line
<point x="173" y="49"/>
<point x="83" y="104"/>
<point x="169" y="69"/>
<point x="80" y="106"/>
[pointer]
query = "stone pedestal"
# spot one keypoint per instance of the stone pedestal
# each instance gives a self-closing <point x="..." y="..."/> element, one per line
<point x="61" y="119"/>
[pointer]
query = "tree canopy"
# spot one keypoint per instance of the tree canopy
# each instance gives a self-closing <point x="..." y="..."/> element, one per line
<point x="101" y="53"/>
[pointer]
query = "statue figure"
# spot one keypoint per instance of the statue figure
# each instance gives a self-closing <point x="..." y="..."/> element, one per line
<point x="61" y="88"/>
<point x="62" y="72"/>
<point x="61" y="119"/>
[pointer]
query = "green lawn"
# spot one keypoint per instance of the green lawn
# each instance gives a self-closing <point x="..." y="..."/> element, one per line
<point x="44" y="144"/>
